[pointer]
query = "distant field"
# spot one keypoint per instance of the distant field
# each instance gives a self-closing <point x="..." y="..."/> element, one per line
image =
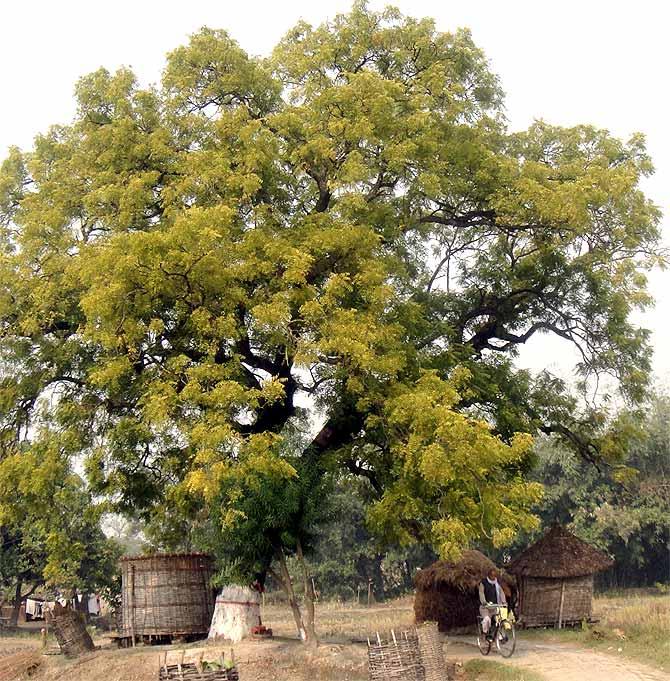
<point x="638" y="623"/>
<point x="342" y="622"/>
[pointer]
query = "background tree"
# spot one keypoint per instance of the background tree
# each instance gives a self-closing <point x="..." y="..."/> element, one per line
<point x="623" y="510"/>
<point x="347" y="221"/>
<point x="50" y="529"/>
<point x="347" y="557"/>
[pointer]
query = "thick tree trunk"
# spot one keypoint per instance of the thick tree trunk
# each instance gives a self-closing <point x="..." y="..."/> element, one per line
<point x="309" y="598"/>
<point x="14" y="618"/>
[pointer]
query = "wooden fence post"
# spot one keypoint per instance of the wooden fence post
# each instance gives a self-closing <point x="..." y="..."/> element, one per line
<point x="131" y="603"/>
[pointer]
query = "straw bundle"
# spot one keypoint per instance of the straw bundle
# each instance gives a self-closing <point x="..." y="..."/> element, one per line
<point x="446" y="592"/>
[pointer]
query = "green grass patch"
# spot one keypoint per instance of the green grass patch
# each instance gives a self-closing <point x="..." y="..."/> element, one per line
<point x="498" y="671"/>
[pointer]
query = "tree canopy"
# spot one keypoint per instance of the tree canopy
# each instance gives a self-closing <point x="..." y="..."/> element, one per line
<point x="623" y="509"/>
<point x="347" y="223"/>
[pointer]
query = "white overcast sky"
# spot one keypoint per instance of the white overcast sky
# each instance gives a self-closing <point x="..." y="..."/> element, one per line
<point x="591" y="61"/>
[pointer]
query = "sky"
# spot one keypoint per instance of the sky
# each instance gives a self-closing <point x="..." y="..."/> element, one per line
<point x="593" y="61"/>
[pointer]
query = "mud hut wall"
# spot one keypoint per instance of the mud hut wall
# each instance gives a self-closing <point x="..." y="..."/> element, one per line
<point x="166" y="595"/>
<point x="540" y="599"/>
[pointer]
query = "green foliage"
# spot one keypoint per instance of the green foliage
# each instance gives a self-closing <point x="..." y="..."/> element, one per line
<point x="623" y="509"/>
<point x="50" y="526"/>
<point x="348" y="222"/>
<point x="498" y="671"/>
<point x="346" y="556"/>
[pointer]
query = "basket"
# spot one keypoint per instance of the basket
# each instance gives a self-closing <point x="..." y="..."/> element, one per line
<point x="189" y="672"/>
<point x="194" y="671"/>
<point x="413" y="655"/>
<point x="70" y="630"/>
<point x="431" y="652"/>
<point x="396" y="658"/>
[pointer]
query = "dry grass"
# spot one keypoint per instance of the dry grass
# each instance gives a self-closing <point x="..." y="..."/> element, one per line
<point x="638" y="624"/>
<point x="635" y="624"/>
<point x="344" y="622"/>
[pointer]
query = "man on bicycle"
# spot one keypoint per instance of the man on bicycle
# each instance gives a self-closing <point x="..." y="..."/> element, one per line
<point x="490" y="593"/>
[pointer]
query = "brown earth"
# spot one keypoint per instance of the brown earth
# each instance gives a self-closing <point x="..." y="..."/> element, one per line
<point x="338" y="658"/>
<point x="564" y="662"/>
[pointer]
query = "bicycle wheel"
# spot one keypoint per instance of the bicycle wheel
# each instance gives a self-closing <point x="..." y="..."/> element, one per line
<point x="482" y="643"/>
<point x="506" y="638"/>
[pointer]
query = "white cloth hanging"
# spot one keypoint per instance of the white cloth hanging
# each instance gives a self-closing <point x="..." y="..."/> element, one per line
<point x="93" y="605"/>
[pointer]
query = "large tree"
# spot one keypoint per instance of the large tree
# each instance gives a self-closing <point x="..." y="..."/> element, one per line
<point x="347" y="222"/>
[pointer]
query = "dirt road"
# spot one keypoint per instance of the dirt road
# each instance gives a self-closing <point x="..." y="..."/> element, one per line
<point x="287" y="660"/>
<point x="564" y="662"/>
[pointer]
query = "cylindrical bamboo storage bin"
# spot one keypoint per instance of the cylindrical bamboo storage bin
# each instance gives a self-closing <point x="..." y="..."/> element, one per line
<point x="166" y="595"/>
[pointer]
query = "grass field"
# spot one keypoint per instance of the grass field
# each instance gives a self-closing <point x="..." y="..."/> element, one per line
<point x="637" y="623"/>
<point x="342" y="622"/>
<point x="479" y="670"/>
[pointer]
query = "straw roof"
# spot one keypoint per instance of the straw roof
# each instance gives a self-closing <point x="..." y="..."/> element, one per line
<point x="465" y="574"/>
<point x="560" y="554"/>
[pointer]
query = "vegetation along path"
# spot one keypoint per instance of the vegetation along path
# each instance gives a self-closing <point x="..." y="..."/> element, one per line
<point x="564" y="662"/>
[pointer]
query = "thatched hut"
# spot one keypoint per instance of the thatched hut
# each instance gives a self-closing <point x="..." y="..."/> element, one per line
<point x="446" y="592"/>
<point x="165" y="596"/>
<point x="555" y="578"/>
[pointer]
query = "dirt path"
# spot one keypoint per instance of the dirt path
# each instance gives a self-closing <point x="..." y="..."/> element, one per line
<point x="564" y="662"/>
<point x="287" y="660"/>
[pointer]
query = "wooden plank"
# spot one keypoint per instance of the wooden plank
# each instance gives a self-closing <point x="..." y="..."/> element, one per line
<point x="132" y="604"/>
<point x="560" y="607"/>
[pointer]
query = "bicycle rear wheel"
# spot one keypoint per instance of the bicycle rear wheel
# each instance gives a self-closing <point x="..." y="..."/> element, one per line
<point x="506" y="638"/>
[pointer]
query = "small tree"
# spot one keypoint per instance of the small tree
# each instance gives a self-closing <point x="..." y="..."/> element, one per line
<point x="50" y="528"/>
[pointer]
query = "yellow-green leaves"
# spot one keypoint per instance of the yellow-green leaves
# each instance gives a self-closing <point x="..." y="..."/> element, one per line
<point x="452" y="480"/>
<point x="346" y="225"/>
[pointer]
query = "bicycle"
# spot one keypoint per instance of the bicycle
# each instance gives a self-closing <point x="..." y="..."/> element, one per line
<point x="501" y="631"/>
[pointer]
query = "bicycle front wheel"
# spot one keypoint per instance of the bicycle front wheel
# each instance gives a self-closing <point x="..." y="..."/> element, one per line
<point x="506" y="638"/>
<point x="482" y="642"/>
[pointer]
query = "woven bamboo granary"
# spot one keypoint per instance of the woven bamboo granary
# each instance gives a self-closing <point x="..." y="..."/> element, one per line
<point x="555" y="578"/>
<point x="446" y="592"/>
<point x="166" y="595"/>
